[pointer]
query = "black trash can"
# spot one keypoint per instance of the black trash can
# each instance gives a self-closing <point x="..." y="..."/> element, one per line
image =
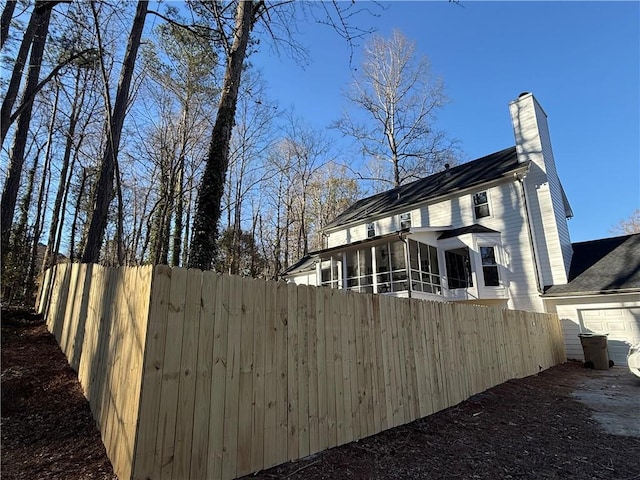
<point x="596" y="352"/>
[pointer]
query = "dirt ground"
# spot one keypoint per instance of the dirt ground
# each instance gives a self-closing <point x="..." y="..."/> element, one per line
<point x="532" y="428"/>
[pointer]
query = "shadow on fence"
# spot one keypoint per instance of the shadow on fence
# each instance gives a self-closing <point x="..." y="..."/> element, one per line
<point x="193" y="374"/>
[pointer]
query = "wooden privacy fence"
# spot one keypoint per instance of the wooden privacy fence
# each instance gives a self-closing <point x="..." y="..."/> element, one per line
<point x="202" y="375"/>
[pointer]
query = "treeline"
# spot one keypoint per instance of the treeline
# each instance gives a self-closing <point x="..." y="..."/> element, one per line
<point x="111" y="121"/>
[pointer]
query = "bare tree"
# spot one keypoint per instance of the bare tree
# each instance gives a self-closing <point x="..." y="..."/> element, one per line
<point x="235" y="39"/>
<point x="295" y="165"/>
<point x="400" y="97"/>
<point x="115" y="121"/>
<point x="331" y="190"/>
<point x="181" y="66"/>
<point x="629" y="225"/>
<point x="252" y="137"/>
<point x="38" y="30"/>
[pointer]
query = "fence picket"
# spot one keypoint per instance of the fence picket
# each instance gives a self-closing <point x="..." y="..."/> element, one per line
<point x="204" y="376"/>
<point x="258" y="403"/>
<point x="292" y="372"/>
<point x="232" y="386"/>
<point x="188" y="375"/>
<point x="270" y="376"/>
<point x="245" y="388"/>
<point x="218" y="412"/>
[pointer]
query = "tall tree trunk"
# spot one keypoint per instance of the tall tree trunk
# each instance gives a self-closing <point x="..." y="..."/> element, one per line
<point x="12" y="182"/>
<point x="120" y="219"/>
<point x="179" y="187"/>
<point x="138" y="223"/>
<point x="74" y="223"/>
<point x="179" y="212"/>
<point x="39" y="15"/>
<point x="43" y="194"/>
<point x="104" y="193"/>
<point x="7" y="15"/>
<point x="187" y="223"/>
<point x="19" y="248"/>
<point x="211" y="190"/>
<point x="50" y="253"/>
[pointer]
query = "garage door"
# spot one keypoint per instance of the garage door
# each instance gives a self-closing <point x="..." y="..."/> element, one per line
<point x="622" y="325"/>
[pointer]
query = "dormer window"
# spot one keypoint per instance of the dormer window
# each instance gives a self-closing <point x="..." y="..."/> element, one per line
<point x="405" y="220"/>
<point x="371" y="230"/>
<point x="481" y="205"/>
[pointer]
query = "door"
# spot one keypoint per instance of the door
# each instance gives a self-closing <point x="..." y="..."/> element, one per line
<point x="622" y="325"/>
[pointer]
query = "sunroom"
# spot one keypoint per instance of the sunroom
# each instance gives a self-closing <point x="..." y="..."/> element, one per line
<point x="462" y="264"/>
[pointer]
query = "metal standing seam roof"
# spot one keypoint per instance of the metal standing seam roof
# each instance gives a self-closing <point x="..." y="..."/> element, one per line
<point x="608" y="265"/>
<point x="475" y="172"/>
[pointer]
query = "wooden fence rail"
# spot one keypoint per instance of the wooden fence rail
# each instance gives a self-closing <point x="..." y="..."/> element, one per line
<point x="193" y="374"/>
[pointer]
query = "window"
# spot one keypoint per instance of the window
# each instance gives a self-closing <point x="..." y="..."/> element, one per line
<point x="331" y="272"/>
<point x="398" y="267"/>
<point x="481" y="205"/>
<point x="357" y="266"/>
<point x="405" y="220"/>
<point x="360" y="270"/>
<point x="425" y="273"/>
<point x="391" y="267"/>
<point x="489" y="266"/>
<point x="458" y="268"/>
<point x="371" y="230"/>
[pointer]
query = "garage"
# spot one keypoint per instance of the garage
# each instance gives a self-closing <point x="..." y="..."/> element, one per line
<point x="621" y="324"/>
<point x="602" y="295"/>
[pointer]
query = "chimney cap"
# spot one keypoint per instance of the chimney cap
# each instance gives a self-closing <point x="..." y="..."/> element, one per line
<point x="523" y="94"/>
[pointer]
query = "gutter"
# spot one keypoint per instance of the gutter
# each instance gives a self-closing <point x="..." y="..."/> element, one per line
<point x="556" y="296"/>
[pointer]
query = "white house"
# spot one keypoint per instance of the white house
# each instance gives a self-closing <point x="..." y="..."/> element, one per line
<point x="492" y="231"/>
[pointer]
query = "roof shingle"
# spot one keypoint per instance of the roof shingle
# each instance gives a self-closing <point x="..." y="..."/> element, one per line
<point x="607" y="265"/>
<point x="476" y="172"/>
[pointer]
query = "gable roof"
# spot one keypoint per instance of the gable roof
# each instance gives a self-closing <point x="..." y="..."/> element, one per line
<point x="608" y="265"/>
<point x="476" y="172"/>
<point x="475" y="228"/>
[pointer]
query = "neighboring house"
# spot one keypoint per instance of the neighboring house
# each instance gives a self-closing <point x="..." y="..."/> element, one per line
<point x="492" y="231"/>
<point x="602" y="296"/>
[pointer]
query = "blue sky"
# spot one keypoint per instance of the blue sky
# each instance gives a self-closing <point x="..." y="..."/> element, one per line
<point x="580" y="59"/>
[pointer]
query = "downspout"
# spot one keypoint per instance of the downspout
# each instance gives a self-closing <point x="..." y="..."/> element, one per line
<point x="520" y="178"/>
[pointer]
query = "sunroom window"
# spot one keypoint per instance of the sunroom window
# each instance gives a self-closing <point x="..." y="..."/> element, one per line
<point x="331" y="272"/>
<point x="425" y="273"/>
<point x="458" y="268"/>
<point x="489" y="267"/>
<point x="391" y="269"/>
<point x="481" y="205"/>
<point x="360" y="270"/>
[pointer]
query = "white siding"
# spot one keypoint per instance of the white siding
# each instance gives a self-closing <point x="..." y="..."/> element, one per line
<point x="384" y="225"/>
<point x="506" y="216"/>
<point x="304" y="278"/>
